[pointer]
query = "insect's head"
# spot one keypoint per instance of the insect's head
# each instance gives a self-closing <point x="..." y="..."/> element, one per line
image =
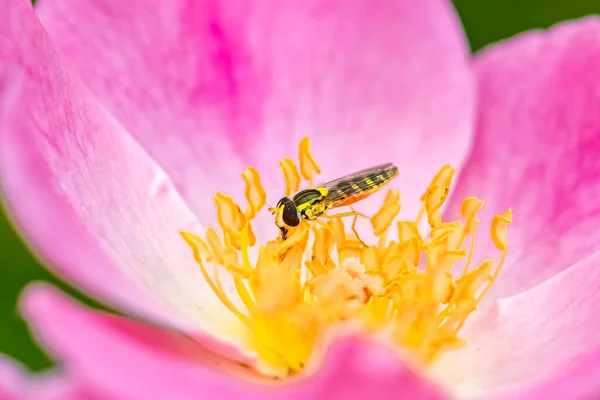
<point x="286" y="213"/>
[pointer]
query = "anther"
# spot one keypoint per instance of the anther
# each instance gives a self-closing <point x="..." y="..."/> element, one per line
<point x="308" y="164"/>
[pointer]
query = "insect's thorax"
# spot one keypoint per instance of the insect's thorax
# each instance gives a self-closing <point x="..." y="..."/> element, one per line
<point x="309" y="202"/>
<point x="316" y="210"/>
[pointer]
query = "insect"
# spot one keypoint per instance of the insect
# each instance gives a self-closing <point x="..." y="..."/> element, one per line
<point x="311" y="204"/>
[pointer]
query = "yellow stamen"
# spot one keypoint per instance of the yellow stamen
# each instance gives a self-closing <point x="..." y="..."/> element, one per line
<point x="436" y="194"/>
<point x="255" y="194"/>
<point x="468" y="210"/>
<point x="290" y="176"/>
<point x="196" y="244"/>
<point x="500" y="229"/>
<point x="293" y="294"/>
<point x="308" y="164"/>
<point x="382" y="220"/>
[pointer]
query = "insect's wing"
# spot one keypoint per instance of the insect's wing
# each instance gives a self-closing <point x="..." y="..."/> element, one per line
<point x="365" y="171"/>
<point x="353" y="187"/>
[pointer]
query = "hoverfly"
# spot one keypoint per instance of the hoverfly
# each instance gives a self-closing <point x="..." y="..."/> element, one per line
<point x="310" y="204"/>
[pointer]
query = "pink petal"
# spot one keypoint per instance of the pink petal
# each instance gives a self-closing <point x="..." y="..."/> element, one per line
<point x="581" y="381"/>
<point x="17" y="384"/>
<point x="536" y="149"/>
<point x="86" y="196"/>
<point x="156" y="364"/>
<point x="10" y="379"/>
<point x="199" y="83"/>
<point x="526" y="340"/>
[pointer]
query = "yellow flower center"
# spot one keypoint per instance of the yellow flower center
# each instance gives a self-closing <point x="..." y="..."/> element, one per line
<point x="296" y="292"/>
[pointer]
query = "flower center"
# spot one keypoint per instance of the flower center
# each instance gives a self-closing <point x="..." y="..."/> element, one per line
<point x="296" y="292"/>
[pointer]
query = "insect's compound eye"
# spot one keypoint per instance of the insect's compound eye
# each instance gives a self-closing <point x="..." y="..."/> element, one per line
<point x="290" y="215"/>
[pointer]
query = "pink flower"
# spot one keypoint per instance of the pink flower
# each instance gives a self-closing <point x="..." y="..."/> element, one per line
<point x="119" y="120"/>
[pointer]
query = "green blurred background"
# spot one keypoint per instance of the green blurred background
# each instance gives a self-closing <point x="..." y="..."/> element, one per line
<point x="485" y="21"/>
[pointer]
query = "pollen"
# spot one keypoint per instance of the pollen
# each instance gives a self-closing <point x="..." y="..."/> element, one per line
<point x="415" y="288"/>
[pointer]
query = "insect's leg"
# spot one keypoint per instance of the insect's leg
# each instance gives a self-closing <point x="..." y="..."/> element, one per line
<point x="352" y="213"/>
<point x="359" y="213"/>
<point x="353" y="226"/>
<point x="324" y="225"/>
<point x="340" y="215"/>
<point x="355" y="214"/>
